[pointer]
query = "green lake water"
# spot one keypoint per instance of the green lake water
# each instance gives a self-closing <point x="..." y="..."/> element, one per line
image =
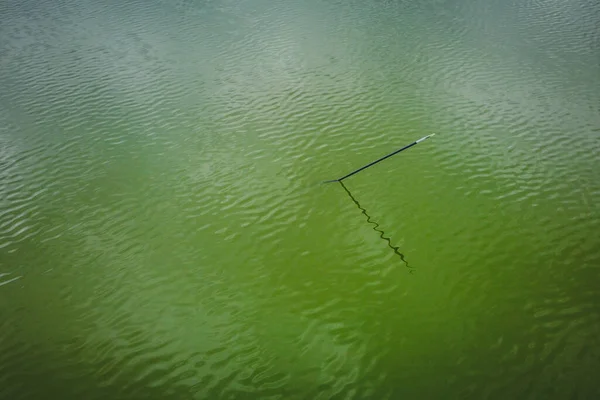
<point x="165" y="232"/>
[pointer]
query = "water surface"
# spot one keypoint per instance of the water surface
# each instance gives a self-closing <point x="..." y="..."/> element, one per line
<point x="164" y="232"/>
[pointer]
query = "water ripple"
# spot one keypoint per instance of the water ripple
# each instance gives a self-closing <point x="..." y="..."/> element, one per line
<point x="164" y="232"/>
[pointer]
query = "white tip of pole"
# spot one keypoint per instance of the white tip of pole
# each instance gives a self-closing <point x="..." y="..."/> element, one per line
<point x="426" y="137"/>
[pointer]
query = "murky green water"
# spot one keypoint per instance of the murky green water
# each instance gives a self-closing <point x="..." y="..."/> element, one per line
<point x="164" y="232"/>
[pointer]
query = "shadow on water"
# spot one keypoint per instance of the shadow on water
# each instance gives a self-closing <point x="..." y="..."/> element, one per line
<point x="376" y="228"/>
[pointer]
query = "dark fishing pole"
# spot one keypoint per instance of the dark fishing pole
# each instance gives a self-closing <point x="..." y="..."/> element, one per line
<point x="381" y="159"/>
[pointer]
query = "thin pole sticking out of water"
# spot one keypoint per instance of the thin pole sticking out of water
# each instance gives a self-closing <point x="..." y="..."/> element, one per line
<point x="396" y="249"/>
<point x="381" y="159"/>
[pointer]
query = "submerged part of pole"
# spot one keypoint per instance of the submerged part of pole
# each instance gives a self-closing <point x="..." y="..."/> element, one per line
<point x="376" y="228"/>
<point x="381" y="159"/>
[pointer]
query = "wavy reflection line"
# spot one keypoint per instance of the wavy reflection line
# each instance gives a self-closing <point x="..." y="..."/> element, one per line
<point x="396" y="249"/>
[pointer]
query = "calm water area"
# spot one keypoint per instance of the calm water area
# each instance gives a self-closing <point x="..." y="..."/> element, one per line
<point x="165" y="232"/>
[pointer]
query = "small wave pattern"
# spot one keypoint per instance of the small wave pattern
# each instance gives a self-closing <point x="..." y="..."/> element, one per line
<point x="164" y="232"/>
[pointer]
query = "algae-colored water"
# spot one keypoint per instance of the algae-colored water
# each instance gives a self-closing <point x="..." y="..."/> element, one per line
<point x="165" y="233"/>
